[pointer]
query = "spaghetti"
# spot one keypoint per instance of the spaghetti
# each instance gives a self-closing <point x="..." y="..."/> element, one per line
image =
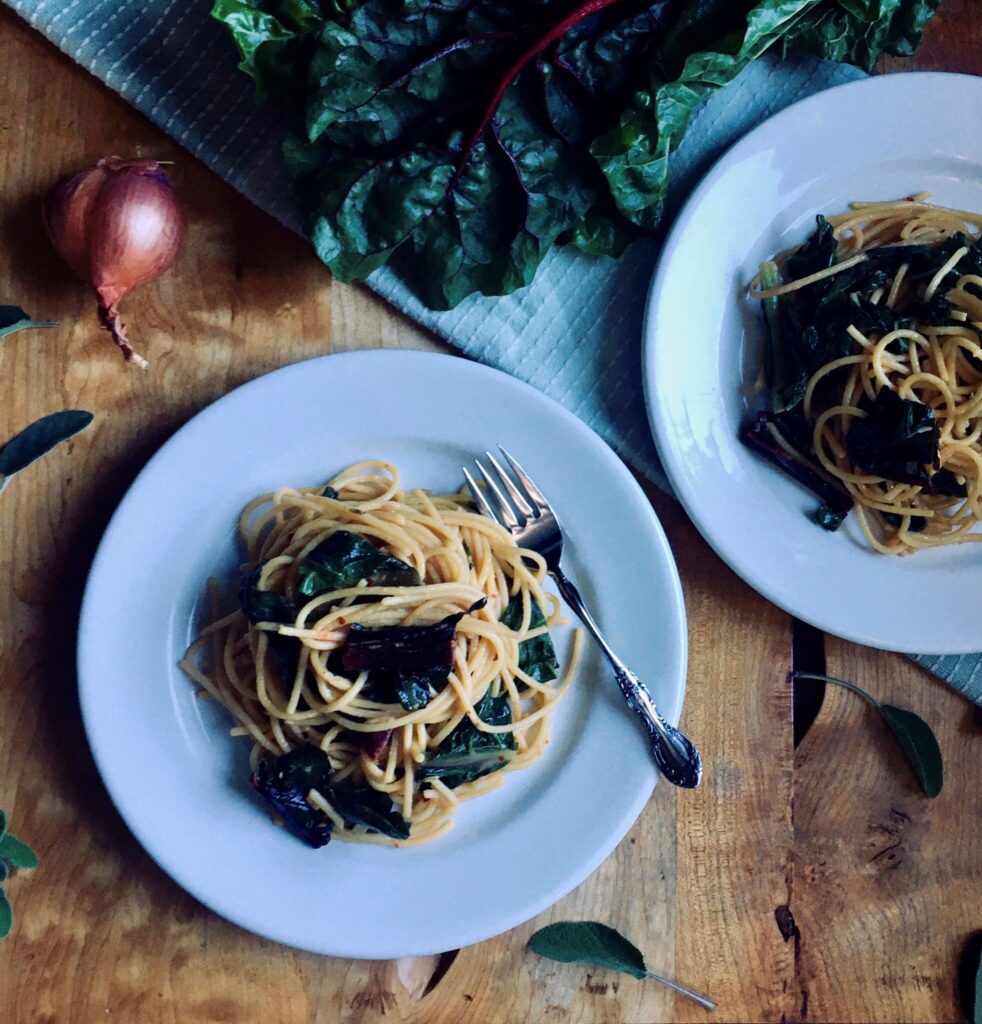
<point x="343" y="576"/>
<point x="876" y="369"/>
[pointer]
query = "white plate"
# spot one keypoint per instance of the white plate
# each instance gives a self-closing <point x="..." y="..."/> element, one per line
<point x="180" y="781"/>
<point x="875" y="139"/>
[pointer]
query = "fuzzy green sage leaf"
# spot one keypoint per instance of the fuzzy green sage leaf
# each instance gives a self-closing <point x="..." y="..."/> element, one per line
<point x="39" y="438"/>
<point x="915" y="736"/>
<point x="3" y="824"/>
<point x="14" y="319"/>
<point x="6" y="916"/>
<point x="977" y="1009"/>
<point x="18" y="853"/>
<point x="589" y="942"/>
<point x="919" y="744"/>
<point x="970" y="979"/>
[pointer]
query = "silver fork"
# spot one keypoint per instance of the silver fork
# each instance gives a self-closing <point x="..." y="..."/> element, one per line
<point x="529" y="518"/>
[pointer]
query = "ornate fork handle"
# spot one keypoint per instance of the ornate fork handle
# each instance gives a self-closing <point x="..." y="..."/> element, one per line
<point x="676" y="757"/>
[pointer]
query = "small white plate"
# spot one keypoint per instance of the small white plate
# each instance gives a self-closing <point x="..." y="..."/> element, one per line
<point x="874" y="139"/>
<point x="180" y="781"/>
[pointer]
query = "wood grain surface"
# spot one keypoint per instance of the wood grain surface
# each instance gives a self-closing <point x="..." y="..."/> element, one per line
<point x="808" y="885"/>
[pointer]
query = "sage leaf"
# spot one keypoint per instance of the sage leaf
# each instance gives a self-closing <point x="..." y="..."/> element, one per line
<point x="14" y="319"/>
<point x="589" y="942"/>
<point x="3" y="824"/>
<point x="6" y="916"/>
<point x="915" y="736"/>
<point x="919" y="744"/>
<point x="4" y="871"/>
<point x="39" y="438"/>
<point x="17" y="853"/>
<point x="970" y="979"/>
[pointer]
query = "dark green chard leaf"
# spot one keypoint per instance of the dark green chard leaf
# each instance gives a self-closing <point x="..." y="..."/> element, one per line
<point x="3" y="824"/>
<point x="38" y="439"/>
<point x="6" y="915"/>
<point x="915" y="736"/>
<point x="362" y="805"/>
<point x="13" y="319"/>
<point x="329" y="492"/>
<point x="898" y="439"/>
<point x="861" y="31"/>
<point x="415" y="690"/>
<point x="787" y="372"/>
<point x="818" y="253"/>
<point x="346" y="558"/>
<point x="4" y="871"/>
<point x="285" y="783"/>
<point x="264" y="605"/>
<point x="462" y="139"/>
<point x="268" y="606"/>
<point x="589" y="942"/>
<point x="634" y="156"/>
<point x="945" y="482"/>
<point x="467" y="754"/>
<point x="536" y="656"/>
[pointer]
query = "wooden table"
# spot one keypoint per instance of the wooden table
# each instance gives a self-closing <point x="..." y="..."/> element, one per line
<point x="799" y="884"/>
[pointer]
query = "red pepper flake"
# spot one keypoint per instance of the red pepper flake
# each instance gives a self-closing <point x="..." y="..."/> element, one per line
<point x="340" y="620"/>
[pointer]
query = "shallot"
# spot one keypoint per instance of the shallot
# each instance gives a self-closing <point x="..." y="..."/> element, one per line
<point x="118" y="225"/>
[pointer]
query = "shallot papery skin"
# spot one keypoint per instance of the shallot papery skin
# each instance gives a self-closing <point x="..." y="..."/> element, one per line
<point x="118" y="225"/>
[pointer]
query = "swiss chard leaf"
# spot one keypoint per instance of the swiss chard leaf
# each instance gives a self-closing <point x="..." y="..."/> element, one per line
<point x="6" y="915"/>
<point x="362" y="805"/>
<point x="818" y="253"/>
<point x="537" y="655"/>
<point x="412" y="688"/>
<point x="462" y="139"/>
<point x="589" y="942"/>
<point x="268" y="606"/>
<point x="467" y="753"/>
<point x="285" y="784"/>
<point x="860" y="31"/>
<point x="264" y="605"/>
<point x="897" y="440"/>
<point x="13" y="319"/>
<point x="415" y="690"/>
<point x="346" y="558"/>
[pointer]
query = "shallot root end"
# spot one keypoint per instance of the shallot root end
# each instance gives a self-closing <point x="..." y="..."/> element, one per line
<point x="109" y="318"/>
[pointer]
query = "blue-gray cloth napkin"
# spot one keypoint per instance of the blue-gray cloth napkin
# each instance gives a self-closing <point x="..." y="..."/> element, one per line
<point x="575" y="333"/>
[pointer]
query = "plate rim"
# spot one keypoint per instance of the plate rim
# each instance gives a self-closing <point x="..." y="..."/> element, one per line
<point x="88" y="635"/>
<point x="656" y="416"/>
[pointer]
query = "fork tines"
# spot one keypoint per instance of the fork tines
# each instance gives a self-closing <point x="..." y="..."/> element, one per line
<point x="526" y="503"/>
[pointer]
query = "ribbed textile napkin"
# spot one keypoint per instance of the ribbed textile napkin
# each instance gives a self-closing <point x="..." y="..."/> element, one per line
<point x="574" y="334"/>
